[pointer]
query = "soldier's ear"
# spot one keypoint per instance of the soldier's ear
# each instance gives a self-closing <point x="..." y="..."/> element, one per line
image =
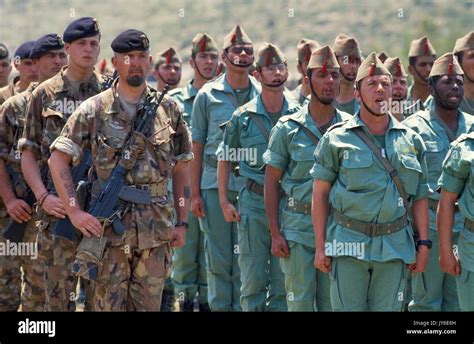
<point x="66" y="47"/>
<point x="114" y="62"/>
<point x="256" y="74"/>
<point x="191" y="62"/>
<point x="357" y="94"/>
<point x="410" y="69"/>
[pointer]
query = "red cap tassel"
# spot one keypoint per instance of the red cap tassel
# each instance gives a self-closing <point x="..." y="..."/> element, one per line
<point x="372" y="69"/>
<point x="324" y="68"/>
<point x="399" y="70"/>
<point x="168" y="57"/>
<point x="202" y="47"/>
<point x="450" y="69"/>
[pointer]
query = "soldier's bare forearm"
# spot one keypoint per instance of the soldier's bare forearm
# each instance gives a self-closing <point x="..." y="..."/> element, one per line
<point x="421" y="218"/>
<point x="32" y="174"/>
<point x="272" y="198"/>
<point x="181" y="190"/>
<point x="62" y="178"/>
<point x="6" y="189"/>
<point x="320" y="212"/>
<point x="195" y="169"/>
<point x="445" y="220"/>
<point x="223" y="171"/>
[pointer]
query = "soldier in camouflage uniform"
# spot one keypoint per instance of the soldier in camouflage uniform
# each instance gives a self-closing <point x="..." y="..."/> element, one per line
<point x="349" y="58"/>
<point x="5" y="65"/>
<point x="189" y="264"/>
<point x="167" y="69"/>
<point x="248" y="131"/>
<point x="27" y="72"/>
<point x="51" y="104"/>
<point x="304" y="49"/>
<point x="135" y="263"/>
<point x="11" y="127"/>
<point x="464" y="50"/>
<point x="289" y="160"/>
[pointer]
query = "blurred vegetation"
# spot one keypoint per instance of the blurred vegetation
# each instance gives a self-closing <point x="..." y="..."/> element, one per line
<point x="378" y="25"/>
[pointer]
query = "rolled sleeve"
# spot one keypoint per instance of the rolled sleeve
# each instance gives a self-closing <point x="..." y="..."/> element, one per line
<point x="455" y="171"/>
<point x="199" y="120"/>
<point x="326" y="164"/>
<point x="277" y="154"/>
<point x="33" y="130"/>
<point x="69" y="147"/>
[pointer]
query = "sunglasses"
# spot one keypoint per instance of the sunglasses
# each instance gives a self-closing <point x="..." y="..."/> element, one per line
<point x="237" y="49"/>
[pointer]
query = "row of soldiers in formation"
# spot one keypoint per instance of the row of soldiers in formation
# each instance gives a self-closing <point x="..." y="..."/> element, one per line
<point x="332" y="207"/>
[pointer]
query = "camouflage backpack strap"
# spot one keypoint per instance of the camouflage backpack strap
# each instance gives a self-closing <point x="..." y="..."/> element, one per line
<point x="260" y="125"/>
<point x="307" y="132"/>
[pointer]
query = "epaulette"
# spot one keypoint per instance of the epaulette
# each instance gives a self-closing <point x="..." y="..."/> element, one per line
<point x="337" y="125"/>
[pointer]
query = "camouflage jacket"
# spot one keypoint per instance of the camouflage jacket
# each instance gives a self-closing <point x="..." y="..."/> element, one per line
<point x="10" y="90"/>
<point x="51" y="104"/>
<point x="102" y="126"/>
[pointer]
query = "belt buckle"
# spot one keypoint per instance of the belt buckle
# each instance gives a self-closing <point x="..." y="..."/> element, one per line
<point x="373" y="229"/>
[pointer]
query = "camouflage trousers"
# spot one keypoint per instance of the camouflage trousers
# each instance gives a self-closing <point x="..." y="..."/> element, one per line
<point x="131" y="279"/>
<point x="21" y="277"/>
<point x="57" y="255"/>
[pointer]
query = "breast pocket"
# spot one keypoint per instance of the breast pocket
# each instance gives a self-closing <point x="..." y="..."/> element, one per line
<point x="108" y="151"/>
<point x="303" y="161"/>
<point x="358" y="171"/>
<point x="254" y="146"/>
<point x="410" y="173"/>
<point x="435" y="153"/>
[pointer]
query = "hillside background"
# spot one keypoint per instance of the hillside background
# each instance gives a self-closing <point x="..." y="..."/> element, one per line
<point x="378" y="25"/>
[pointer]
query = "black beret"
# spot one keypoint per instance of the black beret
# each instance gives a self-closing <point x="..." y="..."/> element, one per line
<point x="3" y="51"/>
<point x="130" y="40"/>
<point x="46" y="43"/>
<point x="81" y="28"/>
<point x="24" y="50"/>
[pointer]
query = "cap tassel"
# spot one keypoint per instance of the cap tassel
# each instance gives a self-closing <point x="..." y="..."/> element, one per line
<point x="372" y="69"/>
<point x="202" y="46"/>
<point x="324" y="68"/>
<point x="168" y="57"/>
<point x="399" y="70"/>
<point x="233" y="38"/>
<point x="268" y="61"/>
<point x="427" y="48"/>
<point x="450" y="69"/>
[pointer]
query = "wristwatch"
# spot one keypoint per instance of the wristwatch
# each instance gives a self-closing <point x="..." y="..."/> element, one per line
<point x="182" y="224"/>
<point x="427" y="243"/>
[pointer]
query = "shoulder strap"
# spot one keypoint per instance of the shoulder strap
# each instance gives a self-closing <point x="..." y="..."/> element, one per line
<point x="260" y="125"/>
<point x="308" y="132"/>
<point x="392" y="172"/>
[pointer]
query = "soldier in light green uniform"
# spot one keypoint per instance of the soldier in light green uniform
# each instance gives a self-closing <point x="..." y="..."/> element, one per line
<point x="421" y="57"/>
<point x="167" y="69"/>
<point x="189" y="265"/>
<point x="288" y="161"/>
<point x="434" y="290"/>
<point x="302" y="93"/>
<point x="349" y="58"/>
<point x="457" y="186"/>
<point x="214" y="104"/>
<point x="248" y="132"/>
<point x="363" y="235"/>
<point x="399" y="87"/>
<point x="464" y="51"/>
